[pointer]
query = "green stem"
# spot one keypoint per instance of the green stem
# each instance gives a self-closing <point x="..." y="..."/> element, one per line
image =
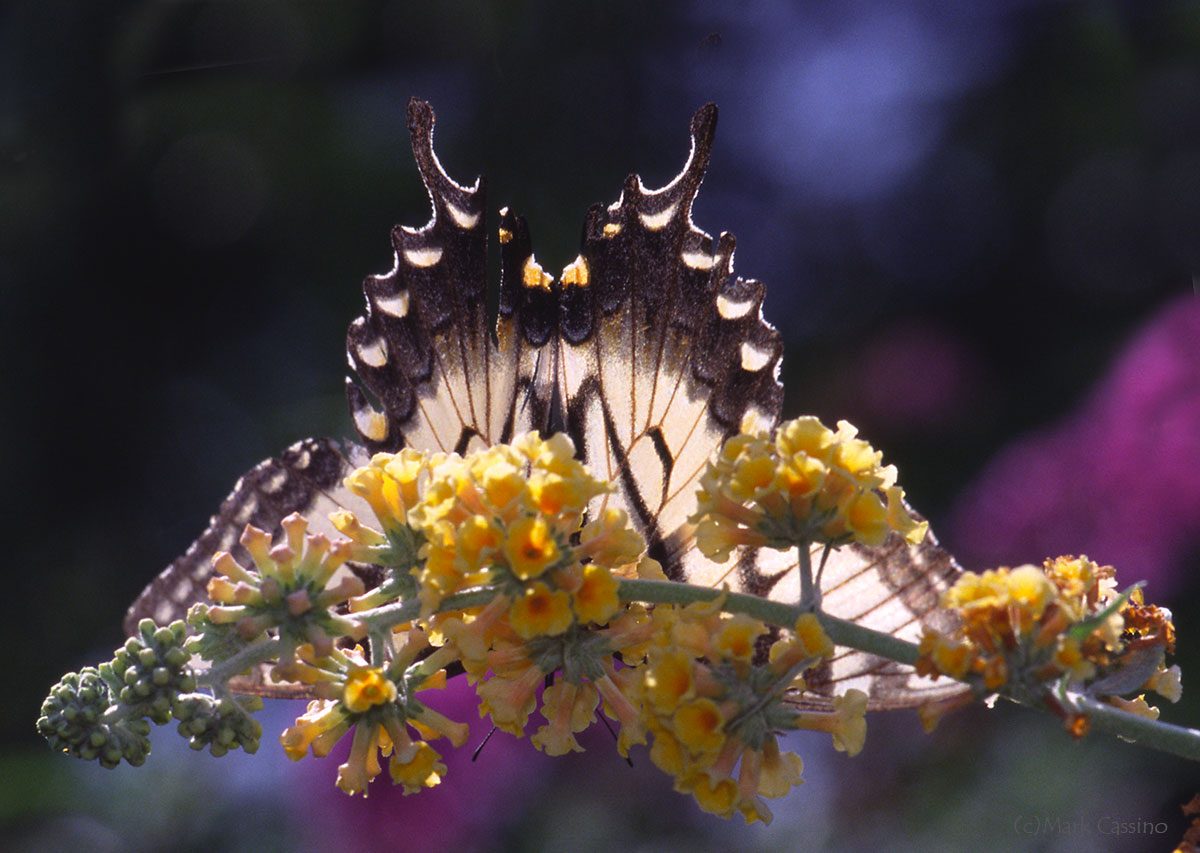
<point x="390" y="615"/>
<point x="261" y="651"/>
<point x="841" y="631"/>
<point x="809" y="599"/>
<point x="1163" y="737"/>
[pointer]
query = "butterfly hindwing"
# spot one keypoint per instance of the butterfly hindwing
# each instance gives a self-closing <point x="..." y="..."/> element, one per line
<point x="423" y="348"/>
<point x="893" y="588"/>
<point x="663" y="352"/>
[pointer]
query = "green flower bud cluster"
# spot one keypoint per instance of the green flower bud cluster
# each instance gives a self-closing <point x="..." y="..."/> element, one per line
<point x="149" y="671"/>
<point x="104" y="713"/>
<point x="76" y="719"/>
<point x="219" y="724"/>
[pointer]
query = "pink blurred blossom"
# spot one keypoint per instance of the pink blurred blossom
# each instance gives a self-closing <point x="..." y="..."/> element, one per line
<point x="1118" y="479"/>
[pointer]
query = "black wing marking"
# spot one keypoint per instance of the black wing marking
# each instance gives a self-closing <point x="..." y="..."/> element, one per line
<point x="423" y="349"/>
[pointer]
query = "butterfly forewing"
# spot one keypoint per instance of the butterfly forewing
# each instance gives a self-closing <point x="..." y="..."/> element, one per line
<point x="305" y="478"/>
<point x="893" y="588"/>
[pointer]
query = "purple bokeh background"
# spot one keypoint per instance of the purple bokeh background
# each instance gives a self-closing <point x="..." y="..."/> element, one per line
<point x="1117" y="479"/>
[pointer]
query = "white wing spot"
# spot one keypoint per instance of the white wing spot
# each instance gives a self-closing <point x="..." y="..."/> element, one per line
<point x="658" y="221"/>
<point x="182" y="592"/>
<point x="276" y="482"/>
<point x="731" y="309"/>
<point x="423" y="257"/>
<point x="461" y="218"/>
<point x="753" y="358"/>
<point x="396" y="306"/>
<point x="698" y="260"/>
<point x="371" y="424"/>
<point x="374" y="353"/>
<point x="304" y="459"/>
<point x="755" y="420"/>
<point x="246" y="510"/>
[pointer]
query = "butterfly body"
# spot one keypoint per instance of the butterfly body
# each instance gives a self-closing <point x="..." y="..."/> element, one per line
<point x="646" y="350"/>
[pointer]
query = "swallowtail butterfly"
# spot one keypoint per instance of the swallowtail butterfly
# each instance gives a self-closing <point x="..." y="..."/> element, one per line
<point x="646" y="350"/>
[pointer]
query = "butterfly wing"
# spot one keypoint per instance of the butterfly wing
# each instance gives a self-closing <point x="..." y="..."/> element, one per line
<point x="423" y="350"/>
<point x="664" y="355"/>
<point x="305" y="478"/>
<point x="894" y="588"/>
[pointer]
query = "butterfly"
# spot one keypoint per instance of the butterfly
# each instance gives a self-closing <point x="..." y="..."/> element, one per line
<point x="646" y="350"/>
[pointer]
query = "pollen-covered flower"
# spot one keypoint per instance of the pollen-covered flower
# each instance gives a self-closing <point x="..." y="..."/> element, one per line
<point x="1028" y="629"/>
<point x="714" y="708"/>
<point x="806" y="484"/>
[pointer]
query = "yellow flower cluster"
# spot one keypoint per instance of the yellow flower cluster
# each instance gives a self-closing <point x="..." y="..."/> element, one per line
<point x="805" y="484"/>
<point x="512" y="517"/>
<point x="507" y="515"/>
<point x="1023" y="630"/>
<point x="556" y="634"/>
<point x="368" y="700"/>
<point x="509" y="668"/>
<point x="288" y="588"/>
<point x="714" y="711"/>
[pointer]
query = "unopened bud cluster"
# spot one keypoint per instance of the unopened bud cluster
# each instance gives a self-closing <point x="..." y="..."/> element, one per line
<point x="104" y="713"/>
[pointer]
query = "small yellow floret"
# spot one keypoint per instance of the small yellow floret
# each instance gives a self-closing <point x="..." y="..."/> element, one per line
<point x="540" y="612"/>
<point x="596" y="598"/>
<point x="417" y="768"/>
<point x="699" y="724"/>
<point x="668" y="679"/>
<point x="736" y="637"/>
<point x="366" y="687"/>
<point x="530" y="547"/>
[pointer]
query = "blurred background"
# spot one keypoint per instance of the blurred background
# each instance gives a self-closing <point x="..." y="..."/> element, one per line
<point x="978" y="223"/>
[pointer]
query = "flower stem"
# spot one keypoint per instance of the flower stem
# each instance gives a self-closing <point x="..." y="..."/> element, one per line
<point x="259" y="652"/>
<point x="1153" y="734"/>
<point x="810" y="595"/>
<point x="1165" y="737"/>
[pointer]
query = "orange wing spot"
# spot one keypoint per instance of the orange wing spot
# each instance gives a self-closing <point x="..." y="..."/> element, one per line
<point x="534" y="276"/>
<point x="576" y="273"/>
